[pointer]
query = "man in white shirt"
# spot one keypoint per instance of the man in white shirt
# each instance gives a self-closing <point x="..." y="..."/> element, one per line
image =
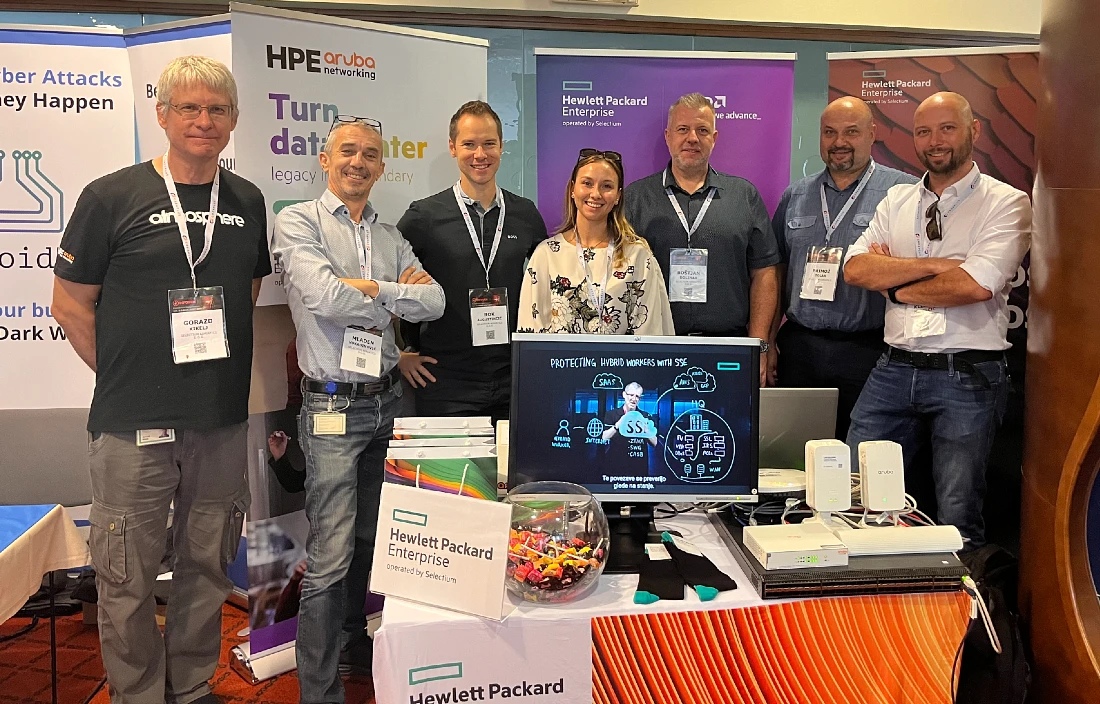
<point x="943" y="252"/>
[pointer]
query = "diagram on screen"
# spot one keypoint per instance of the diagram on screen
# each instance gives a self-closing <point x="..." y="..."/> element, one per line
<point x="29" y="200"/>
<point x="699" y="446"/>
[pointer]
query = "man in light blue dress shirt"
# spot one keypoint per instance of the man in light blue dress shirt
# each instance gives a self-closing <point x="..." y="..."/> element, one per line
<point x="347" y="277"/>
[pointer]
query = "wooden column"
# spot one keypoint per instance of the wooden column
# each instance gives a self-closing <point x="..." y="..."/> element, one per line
<point x="1062" y="446"/>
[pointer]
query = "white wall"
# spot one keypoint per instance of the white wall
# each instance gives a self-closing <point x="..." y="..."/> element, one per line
<point x="979" y="16"/>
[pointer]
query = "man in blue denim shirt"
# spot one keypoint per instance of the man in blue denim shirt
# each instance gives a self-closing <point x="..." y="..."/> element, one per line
<point x="347" y="276"/>
<point x="833" y="332"/>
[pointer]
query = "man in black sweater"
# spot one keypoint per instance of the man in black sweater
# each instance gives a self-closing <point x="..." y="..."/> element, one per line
<point x="474" y="237"/>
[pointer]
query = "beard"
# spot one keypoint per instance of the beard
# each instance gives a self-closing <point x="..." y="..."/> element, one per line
<point x="847" y="162"/>
<point x="958" y="158"/>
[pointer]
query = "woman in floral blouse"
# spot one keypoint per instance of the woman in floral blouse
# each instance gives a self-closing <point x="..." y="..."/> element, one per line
<point x="595" y="275"/>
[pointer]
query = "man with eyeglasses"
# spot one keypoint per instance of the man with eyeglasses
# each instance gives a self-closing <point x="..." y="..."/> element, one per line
<point x="347" y="276"/>
<point x="156" y="277"/>
<point x="832" y="335"/>
<point x="944" y="252"/>
<point x="474" y="237"/>
<point x="710" y="233"/>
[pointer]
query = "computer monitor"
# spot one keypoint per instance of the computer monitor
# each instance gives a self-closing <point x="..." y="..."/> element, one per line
<point x="636" y="420"/>
<point x="791" y="417"/>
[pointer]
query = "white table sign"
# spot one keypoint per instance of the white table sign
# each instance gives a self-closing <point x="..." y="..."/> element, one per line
<point x="441" y="549"/>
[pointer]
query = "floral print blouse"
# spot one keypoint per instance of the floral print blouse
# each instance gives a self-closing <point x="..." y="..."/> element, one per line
<point x="556" y="296"/>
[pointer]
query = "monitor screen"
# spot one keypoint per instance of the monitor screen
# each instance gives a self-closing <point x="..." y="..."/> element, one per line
<point x="637" y="419"/>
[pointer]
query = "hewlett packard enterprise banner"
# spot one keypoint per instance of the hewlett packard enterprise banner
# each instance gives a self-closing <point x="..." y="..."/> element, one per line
<point x="619" y="100"/>
<point x="151" y="48"/>
<point x="296" y="72"/>
<point x="66" y="118"/>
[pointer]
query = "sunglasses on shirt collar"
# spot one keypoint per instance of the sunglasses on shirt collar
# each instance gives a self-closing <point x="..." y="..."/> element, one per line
<point x="932" y="229"/>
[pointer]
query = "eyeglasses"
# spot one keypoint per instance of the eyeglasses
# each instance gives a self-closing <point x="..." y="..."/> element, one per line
<point x="191" y="111"/>
<point x="613" y="156"/>
<point x="932" y="229"/>
<point x="370" y="122"/>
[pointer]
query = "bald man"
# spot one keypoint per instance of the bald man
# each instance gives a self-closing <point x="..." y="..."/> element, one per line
<point x="832" y="336"/>
<point x="943" y="252"/>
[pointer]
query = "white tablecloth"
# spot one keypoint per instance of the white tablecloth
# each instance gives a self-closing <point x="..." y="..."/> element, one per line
<point x="420" y="650"/>
<point x="34" y="540"/>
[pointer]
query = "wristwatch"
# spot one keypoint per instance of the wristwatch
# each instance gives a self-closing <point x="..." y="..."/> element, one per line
<point x="892" y="293"/>
<point x="764" y="346"/>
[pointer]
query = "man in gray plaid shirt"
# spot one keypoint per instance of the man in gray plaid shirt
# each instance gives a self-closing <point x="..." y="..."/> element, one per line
<point x="347" y="277"/>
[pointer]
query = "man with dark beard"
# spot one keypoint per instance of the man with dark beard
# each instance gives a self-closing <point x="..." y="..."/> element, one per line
<point x="832" y="336"/>
<point x="943" y="252"/>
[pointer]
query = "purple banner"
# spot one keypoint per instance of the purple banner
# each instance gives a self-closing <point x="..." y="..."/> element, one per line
<point x="621" y="103"/>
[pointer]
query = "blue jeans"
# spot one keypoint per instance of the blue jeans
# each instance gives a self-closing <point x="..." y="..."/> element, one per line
<point x="958" y="413"/>
<point x="343" y="481"/>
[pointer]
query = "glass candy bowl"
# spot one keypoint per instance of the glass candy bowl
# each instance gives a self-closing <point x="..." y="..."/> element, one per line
<point x="558" y="543"/>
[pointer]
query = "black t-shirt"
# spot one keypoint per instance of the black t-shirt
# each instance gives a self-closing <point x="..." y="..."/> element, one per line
<point x="629" y="456"/>
<point x="123" y="236"/>
<point x="437" y="232"/>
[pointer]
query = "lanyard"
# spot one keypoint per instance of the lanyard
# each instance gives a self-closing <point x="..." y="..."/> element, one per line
<point x="473" y="234"/>
<point x="363" y="250"/>
<point x="830" y="225"/>
<point x="181" y="217"/>
<point x="698" y="217"/>
<point x="597" y="303"/>
<point x="967" y="192"/>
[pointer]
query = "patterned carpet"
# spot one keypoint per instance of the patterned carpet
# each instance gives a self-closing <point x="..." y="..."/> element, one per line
<point x="25" y="667"/>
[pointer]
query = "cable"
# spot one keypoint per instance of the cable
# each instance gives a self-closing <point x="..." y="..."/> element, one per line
<point x="958" y="660"/>
<point x="21" y="632"/>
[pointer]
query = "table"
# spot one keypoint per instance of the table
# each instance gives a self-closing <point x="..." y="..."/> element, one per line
<point x="34" y="541"/>
<point x="736" y="648"/>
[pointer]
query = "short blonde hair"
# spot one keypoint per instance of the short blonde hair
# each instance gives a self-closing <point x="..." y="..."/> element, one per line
<point x="201" y="71"/>
<point x="695" y="101"/>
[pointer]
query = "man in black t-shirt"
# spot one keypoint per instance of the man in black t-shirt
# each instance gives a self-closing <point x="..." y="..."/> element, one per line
<point x="628" y="447"/>
<point x="157" y="274"/>
<point x="461" y="364"/>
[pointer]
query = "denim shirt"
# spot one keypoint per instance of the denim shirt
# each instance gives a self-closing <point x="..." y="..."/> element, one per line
<point x="798" y="225"/>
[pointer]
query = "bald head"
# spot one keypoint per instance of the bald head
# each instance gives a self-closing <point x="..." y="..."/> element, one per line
<point x="946" y="100"/>
<point x="944" y="132"/>
<point x="847" y="133"/>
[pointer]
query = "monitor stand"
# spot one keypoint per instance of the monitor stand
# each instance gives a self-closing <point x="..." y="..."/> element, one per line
<point x="631" y="528"/>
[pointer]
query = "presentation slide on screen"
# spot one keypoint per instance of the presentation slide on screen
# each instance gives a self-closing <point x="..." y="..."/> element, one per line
<point x="655" y="421"/>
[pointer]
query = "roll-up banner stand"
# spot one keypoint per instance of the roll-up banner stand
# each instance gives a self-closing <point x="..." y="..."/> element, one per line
<point x="1002" y="85"/>
<point x="619" y="100"/>
<point x="66" y="109"/>
<point x="295" y="73"/>
<point x="151" y="48"/>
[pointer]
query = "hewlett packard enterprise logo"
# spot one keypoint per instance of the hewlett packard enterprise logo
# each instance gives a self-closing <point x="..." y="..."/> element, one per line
<point x="331" y="63"/>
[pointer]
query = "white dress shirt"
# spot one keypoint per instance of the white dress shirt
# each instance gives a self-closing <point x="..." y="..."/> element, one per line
<point x="984" y="222"/>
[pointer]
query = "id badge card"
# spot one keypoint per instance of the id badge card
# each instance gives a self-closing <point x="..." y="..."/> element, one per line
<point x="155" y="436"/>
<point x="362" y="351"/>
<point x="330" y="423"/>
<point x="921" y="321"/>
<point x="821" y="273"/>
<point x="198" y="324"/>
<point x="687" y="276"/>
<point x="489" y="316"/>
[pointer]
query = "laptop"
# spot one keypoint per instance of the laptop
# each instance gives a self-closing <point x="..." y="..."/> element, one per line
<point x="791" y="417"/>
<point x="867" y="574"/>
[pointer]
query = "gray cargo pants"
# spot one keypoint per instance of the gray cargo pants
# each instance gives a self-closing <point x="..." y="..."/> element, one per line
<point x="205" y="473"/>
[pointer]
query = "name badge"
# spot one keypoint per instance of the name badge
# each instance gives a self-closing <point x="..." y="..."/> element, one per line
<point x="362" y="351"/>
<point x="687" y="276"/>
<point x="330" y="423"/>
<point x="821" y="273"/>
<point x="155" y="436"/>
<point x="489" y="316"/>
<point x="198" y="324"/>
<point x="921" y="321"/>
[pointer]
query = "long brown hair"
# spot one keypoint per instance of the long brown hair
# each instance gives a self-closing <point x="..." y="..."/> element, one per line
<point x="620" y="233"/>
